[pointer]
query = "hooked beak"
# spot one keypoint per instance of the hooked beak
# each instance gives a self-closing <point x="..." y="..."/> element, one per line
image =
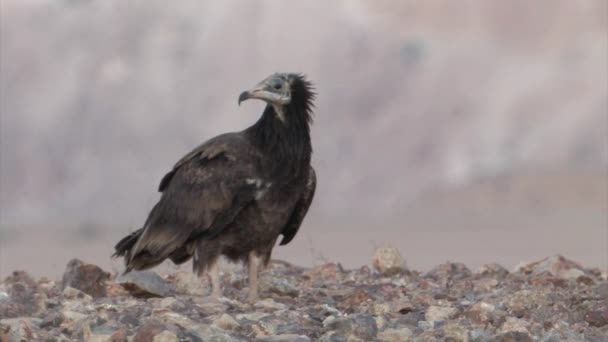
<point x="263" y="92"/>
<point x="246" y="95"/>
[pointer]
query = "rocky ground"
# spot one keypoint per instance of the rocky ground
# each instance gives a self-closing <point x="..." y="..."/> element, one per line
<point x="554" y="299"/>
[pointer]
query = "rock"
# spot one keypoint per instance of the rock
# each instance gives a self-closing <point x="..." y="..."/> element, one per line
<point x="119" y="335"/>
<point x="455" y="332"/>
<point x="149" y="330"/>
<point x="144" y="284"/>
<point x="513" y="336"/>
<point x="98" y="338"/>
<point x="279" y="286"/>
<point x="387" y="260"/>
<point x="364" y="327"/>
<point x="269" y="305"/>
<point x="449" y="271"/>
<point x="361" y="326"/>
<point x="439" y="313"/>
<point x="556" y="266"/>
<point x="73" y="315"/>
<point x="20" y="300"/>
<point x="87" y="278"/>
<point x="52" y="320"/>
<point x="597" y="315"/>
<point x="21" y="277"/>
<point x="493" y="270"/>
<point x="167" y="302"/>
<point x="21" y="329"/>
<point x="396" y="335"/>
<point x="165" y="336"/>
<point x="209" y="306"/>
<point x="328" y="273"/>
<point x="72" y="293"/>
<point x="226" y="322"/>
<point x="284" y="338"/>
<point x="480" y="313"/>
<point x="189" y="284"/>
<point x="515" y="324"/>
<point x="426" y="325"/>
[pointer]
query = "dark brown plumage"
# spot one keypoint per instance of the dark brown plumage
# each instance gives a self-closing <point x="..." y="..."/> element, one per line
<point x="235" y="194"/>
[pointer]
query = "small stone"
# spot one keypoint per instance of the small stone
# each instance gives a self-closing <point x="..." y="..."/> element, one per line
<point x="454" y="332"/>
<point x="149" y="330"/>
<point x="449" y="270"/>
<point x="327" y="273"/>
<point x="226" y="322"/>
<point x="557" y="266"/>
<point x="365" y="327"/>
<point x="99" y="338"/>
<point x="165" y="336"/>
<point x="21" y="329"/>
<point x="73" y="315"/>
<point x="361" y="326"/>
<point x="189" y="284"/>
<point x="72" y="293"/>
<point x="426" y="325"/>
<point x="597" y="315"/>
<point x="279" y="286"/>
<point x="480" y="313"/>
<point x="269" y="304"/>
<point x="20" y="277"/>
<point x="439" y="313"/>
<point x="52" y="319"/>
<point x="381" y="309"/>
<point x="22" y="301"/>
<point x="167" y="302"/>
<point x="120" y="335"/>
<point x="513" y="336"/>
<point x="493" y="270"/>
<point x="396" y="335"/>
<point x="284" y="338"/>
<point x="144" y="284"/>
<point x="387" y="260"/>
<point x="87" y="278"/>
<point x="515" y="324"/>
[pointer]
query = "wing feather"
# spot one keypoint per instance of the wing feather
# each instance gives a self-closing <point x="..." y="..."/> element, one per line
<point x="203" y="193"/>
<point x="297" y="216"/>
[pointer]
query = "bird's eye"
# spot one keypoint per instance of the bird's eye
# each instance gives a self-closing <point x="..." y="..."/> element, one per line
<point x="277" y="85"/>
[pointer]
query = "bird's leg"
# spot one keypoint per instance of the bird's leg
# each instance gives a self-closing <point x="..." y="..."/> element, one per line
<point x="214" y="276"/>
<point x="253" y="278"/>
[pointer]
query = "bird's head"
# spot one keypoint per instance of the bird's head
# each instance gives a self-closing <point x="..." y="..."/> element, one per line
<point x="283" y="91"/>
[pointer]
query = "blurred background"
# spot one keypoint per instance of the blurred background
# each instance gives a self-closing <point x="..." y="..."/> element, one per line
<point x="471" y="131"/>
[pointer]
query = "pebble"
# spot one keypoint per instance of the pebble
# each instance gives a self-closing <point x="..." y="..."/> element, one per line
<point x="144" y="284"/>
<point x="88" y="278"/>
<point x="387" y="260"/>
<point x="439" y="313"/>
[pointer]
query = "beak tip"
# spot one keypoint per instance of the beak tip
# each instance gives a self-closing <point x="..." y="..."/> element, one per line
<point x="244" y="96"/>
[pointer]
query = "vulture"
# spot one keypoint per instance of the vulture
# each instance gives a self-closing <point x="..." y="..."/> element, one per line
<point x="237" y="193"/>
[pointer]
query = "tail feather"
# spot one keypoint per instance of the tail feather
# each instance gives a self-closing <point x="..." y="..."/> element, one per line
<point x="140" y="261"/>
<point x="144" y="259"/>
<point x="124" y="246"/>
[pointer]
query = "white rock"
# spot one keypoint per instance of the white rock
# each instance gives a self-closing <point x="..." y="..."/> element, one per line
<point x="439" y="313"/>
<point x="188" y="283"/>
<point x="388" y="260"/>
<point x="514" y="324"/>
<point x="396" y="335"/>
<point x="269" y="304"/>
<point x="226" y="322"/>
<point x="165" y="336"/>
